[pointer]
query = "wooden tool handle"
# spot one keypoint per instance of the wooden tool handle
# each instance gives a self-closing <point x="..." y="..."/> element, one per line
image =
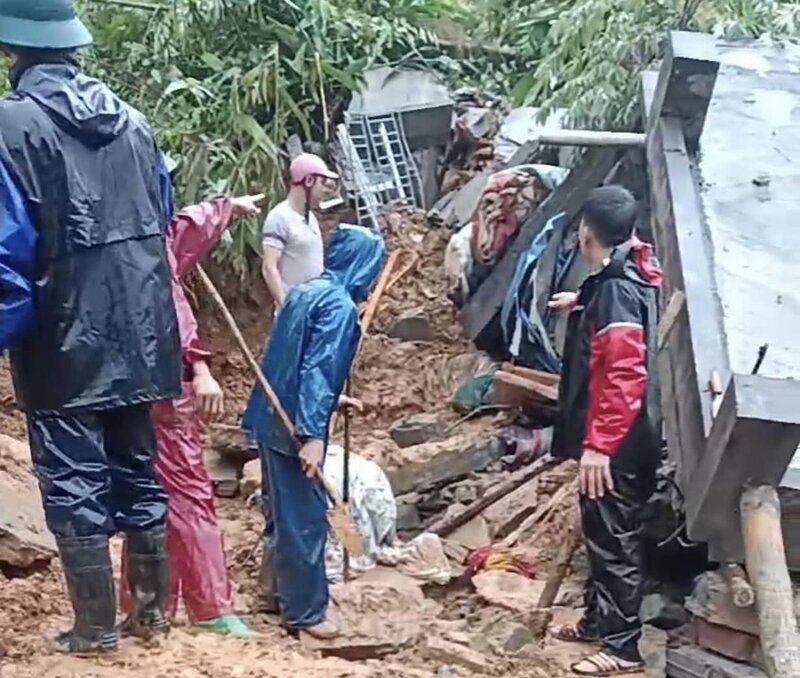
<point x="255" y="367"/>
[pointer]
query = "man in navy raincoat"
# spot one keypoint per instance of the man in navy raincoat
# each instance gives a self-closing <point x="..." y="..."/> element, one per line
<point x="87" y="312"/>
<point x="308" y="358"/>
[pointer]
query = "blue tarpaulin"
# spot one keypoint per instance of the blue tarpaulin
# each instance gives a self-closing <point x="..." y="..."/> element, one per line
<point x="517" y="320"/>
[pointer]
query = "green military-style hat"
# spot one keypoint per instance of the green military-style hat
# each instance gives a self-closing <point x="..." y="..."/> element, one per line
<point x="42" y="24"/>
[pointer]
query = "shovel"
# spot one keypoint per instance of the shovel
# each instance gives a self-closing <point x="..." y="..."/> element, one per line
<point x="339" y="516"/>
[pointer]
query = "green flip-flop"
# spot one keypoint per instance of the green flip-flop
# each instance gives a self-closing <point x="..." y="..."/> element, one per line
<point x="228" y="624"/>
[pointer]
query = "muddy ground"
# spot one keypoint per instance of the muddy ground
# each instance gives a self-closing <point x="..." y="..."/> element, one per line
<point x="393" y="379"/>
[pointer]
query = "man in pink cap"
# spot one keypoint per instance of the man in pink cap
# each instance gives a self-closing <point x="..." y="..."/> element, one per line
<point x="292" y="240"/>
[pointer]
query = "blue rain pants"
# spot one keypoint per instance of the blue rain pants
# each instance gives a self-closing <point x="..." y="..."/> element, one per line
<point x="295" y="512"/>
<point x="95" y="471"/>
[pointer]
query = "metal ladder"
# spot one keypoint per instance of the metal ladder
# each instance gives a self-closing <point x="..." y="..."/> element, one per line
<point x="380" y="143"/>
<point x="355" y="179"/>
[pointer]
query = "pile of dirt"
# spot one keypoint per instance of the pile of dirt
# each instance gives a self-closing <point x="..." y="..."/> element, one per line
<point x="12" y="422"/>
<point x="398" y="377"/>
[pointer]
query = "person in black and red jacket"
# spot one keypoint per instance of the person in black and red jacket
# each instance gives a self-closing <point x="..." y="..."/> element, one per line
<point x="609" y="422"/>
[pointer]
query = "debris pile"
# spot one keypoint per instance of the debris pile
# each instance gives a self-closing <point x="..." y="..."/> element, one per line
<point x="25" y="543"/>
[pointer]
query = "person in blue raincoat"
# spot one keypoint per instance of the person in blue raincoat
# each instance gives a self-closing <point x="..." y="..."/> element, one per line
<point x="307" y="360"/>
<point x="86" y="310"/>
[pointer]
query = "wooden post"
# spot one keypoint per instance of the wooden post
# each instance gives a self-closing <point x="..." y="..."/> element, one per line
<point x="766" y="567"/>
<point x="543" y="614"/>
<point x="561" y="565"/>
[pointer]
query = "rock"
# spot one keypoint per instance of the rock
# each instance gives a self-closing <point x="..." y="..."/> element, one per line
<point x="412" y="327"/>
<point x="437" y="463"/>
<point x="251" y="478"/>
<point x="660" y="611"/>
<point x="378" y="617"/>
<point x="507" y="515"/>
<point x="446" y="652"/>
<point x="509" y="590"/>
<point x="462" y="540"/>
<point x="653" y="647"/>
<point x="407" y="517"/>
<point x="25" y="542"/>
<point x="466" y="494"/>
<point x="224" y="471"/>
<point x="712" y="600"/>
<point x="416" y="430"/>
<point x="506" y="636"/>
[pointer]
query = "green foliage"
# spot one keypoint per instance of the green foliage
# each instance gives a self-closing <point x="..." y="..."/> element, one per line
<point x="226" y="82"/>
<point x="583" y="55"/>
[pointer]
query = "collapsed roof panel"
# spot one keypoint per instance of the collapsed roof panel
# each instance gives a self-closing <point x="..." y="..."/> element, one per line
<point x="749" y="170"/>
<point x="723" y="142"/>
<point x="388" y="89"/>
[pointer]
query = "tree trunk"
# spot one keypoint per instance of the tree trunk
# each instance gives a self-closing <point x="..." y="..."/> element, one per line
<point x="766" y="567"/>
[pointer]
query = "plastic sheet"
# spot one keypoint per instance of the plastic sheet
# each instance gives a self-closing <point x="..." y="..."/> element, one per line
<point x="95" y="471"/>
<point x="374" y="512"/>
<point x="612" y="530"/>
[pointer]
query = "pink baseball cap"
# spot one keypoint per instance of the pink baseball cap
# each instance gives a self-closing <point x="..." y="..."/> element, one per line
<point x="309" y="165"/>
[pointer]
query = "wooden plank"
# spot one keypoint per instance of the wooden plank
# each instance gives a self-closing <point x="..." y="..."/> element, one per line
<point x="449" y="522"/>
<point x="488" y="299"/>
<point x="545" y="378"/>
<point x="512" y="389"/>
<point x="670" y="317"/>
<point x="689" y="661"/>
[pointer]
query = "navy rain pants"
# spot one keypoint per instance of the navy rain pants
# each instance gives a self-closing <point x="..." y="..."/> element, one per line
<point x="95" y="471"/>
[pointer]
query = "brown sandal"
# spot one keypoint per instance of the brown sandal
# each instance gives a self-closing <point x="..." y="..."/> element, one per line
<point x="604" y="665"/>
<point x="570" y="633"/>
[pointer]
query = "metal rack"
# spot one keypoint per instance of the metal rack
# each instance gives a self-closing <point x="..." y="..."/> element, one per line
<point x="379" y="162"/>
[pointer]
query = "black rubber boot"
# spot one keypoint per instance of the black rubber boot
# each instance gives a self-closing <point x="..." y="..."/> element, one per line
<point x="90" y="582"/>
<point x="269" y="585"/>
<point x="148" y="579"/>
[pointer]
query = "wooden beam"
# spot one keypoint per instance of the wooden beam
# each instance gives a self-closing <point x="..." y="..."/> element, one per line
<point x="696" y="347"/>
<point x="676" y="303"/>
<point x="685" y="83"/>
<point x="755" y="435"/>
<point x="766" y="565"/>
<point x="488" y="299"/>
<point x="449" y="523"/>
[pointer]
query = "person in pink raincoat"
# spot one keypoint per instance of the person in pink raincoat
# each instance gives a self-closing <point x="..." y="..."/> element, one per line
<point x="197" y="569"/>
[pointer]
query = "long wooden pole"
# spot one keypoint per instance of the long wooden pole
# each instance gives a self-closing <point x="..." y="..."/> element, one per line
<point x="256" y="368"/>
<point x="375" y="297"/>
<point x="449" y="523"/>
<point x="765" y="559"/>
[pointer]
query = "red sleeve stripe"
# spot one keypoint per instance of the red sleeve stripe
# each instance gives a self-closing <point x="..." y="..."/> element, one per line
<point x="617" y="383"/>
<point x="612" y="326"/>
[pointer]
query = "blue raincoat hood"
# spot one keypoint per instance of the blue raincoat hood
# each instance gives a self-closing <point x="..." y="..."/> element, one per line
<point x="313" y="341"/>
<point x="354" y="257"/>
